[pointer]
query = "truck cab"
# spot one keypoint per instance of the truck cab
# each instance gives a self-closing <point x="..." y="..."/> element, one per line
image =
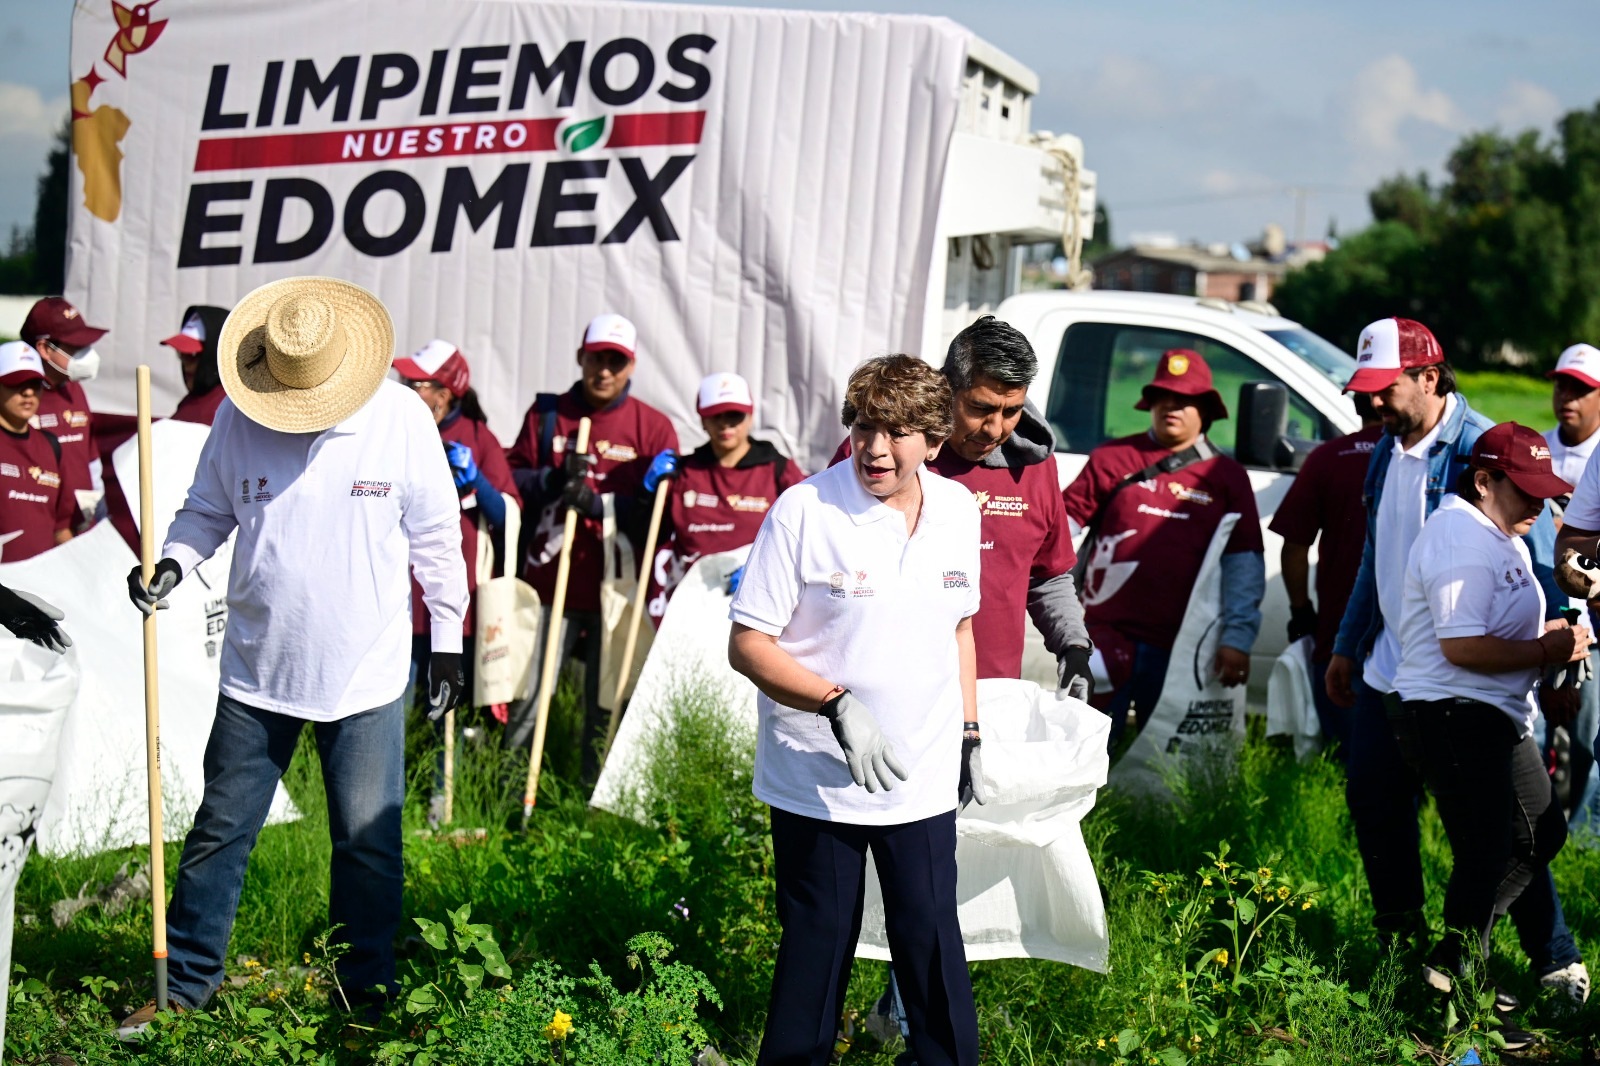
<point x="1282" y="383"/>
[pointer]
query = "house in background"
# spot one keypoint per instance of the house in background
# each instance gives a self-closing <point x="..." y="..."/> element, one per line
<point x="1229" y="272"/>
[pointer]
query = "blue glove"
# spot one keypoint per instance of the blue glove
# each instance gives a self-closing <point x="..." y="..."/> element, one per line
<point x="734" y="579"/>
<point x="462" y="466"/>
<point x="663" y="465"/>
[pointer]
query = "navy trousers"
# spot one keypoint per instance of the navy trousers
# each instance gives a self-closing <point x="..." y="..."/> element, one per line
<point x="821" y="870"/>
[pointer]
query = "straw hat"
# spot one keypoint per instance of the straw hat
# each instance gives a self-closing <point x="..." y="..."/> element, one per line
<point x="301" y="355"/>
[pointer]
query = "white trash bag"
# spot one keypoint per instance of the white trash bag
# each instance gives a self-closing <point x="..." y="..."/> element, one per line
<point x="1025" y="883"/>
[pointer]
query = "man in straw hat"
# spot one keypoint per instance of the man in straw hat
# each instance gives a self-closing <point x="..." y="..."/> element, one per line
<point x="336" y="484"/>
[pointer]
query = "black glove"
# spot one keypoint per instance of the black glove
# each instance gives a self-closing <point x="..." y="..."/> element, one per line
<point x="1302" y="621"/>
<point x="163" y="580"/>
<point x="1073" y="665"/>
<point x="581" y="498"/>
<point x="30" y="618"/>
<point x="447" y="683"/>
<point x="971" y="787"/>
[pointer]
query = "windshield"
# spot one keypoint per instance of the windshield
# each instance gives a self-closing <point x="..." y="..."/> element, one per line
<point x="1319" y="353"/>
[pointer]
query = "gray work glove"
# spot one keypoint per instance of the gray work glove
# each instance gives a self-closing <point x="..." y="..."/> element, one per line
<point x="867" y="752"/>
<point x="1074" y="679"/>
<point x="971" y="786"/>
<point x="28" y="617"/>
<point x="1574" y="674"/>
<point x="165" y="578"/>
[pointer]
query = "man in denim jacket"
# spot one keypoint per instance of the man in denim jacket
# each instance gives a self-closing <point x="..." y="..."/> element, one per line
<point x="1429" y="431"/>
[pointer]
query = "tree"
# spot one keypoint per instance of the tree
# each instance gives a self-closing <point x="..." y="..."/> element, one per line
<point x="50" y="216"/>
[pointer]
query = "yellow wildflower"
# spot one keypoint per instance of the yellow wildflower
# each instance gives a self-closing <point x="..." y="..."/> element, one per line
<point x="1100" y="1043"/>
<point x="273" y="994"/>
<point x="307" y="957"/>
<point x="559" y="1026"/>
<point x="1283" y="891"/>
<point x="1206" y="881"/>
<point x="1265" y="871"/>
<point x="1222" y="957"/>
<point x="1306" y="905"/>
<point x="1194" y="1042"/>
<point x="251" y="964"/>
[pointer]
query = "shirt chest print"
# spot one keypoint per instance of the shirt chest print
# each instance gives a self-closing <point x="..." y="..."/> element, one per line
<point x="993" y="504"/>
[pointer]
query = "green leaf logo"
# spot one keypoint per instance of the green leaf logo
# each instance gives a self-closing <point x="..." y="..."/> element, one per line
<point x="579" y="136"/>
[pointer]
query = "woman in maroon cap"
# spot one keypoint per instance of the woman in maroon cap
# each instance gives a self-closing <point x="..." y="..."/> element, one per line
<point x="36" y="507"/>
<point x="1473" y="644"/>
<point x="1151" y="503"/>
<point x="440" y="375"/>
<point x="720" y="491"/>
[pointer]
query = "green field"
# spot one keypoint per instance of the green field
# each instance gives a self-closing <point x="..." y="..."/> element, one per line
<point x="575" y="886"/>
<point x="1509" y="397"/>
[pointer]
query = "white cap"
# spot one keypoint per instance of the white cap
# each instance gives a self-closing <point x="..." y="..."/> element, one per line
<point x="724" y="392"/>
<point x="19" y="363"/>
<point x="1580" y="362"/>
<point x="611" y="333"/>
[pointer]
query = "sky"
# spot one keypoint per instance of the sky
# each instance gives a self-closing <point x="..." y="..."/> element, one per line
<point x="1200" y="119"/>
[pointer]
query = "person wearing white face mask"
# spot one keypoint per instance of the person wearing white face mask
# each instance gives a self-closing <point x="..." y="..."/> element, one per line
<point x="65" y="342"/>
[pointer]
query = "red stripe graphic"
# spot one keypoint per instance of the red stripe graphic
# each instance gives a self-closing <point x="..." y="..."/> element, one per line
<point x="443" y="139"/>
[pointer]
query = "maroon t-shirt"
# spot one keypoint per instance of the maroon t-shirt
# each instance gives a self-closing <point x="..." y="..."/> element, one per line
<point x="1149" y="547"/>
<point x="64" y="411"/>
<point x="1325" y="500"/>
<point x="490" y="456"/>
<point x="625" y="438"/>
<point x="713" y="508"/>
<point x="35" y="501"/>
<point x="1024" y="536"/>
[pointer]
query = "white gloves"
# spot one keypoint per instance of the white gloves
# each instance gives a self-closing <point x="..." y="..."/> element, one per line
<point x="869" y="755"/>
<point x="1578" y="575"/>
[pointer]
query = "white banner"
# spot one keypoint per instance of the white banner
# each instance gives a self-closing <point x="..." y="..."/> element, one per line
<point x="757" y="190"/>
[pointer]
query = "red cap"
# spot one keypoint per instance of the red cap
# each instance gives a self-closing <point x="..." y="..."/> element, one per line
<point x="19" y="364"/>
<point x="1182" y="371"/>
<point x="611" y="332"/>
<point x="1524" y="455"/>
<point x="1388" y="348"/>
<point x="53" y="318"/>
<point x="438" y="361"/>
<point x="191" y="339"/>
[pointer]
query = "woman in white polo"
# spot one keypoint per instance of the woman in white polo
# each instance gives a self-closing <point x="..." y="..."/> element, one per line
<point x="1473" y="642"/>
<point x="854" y="621"/>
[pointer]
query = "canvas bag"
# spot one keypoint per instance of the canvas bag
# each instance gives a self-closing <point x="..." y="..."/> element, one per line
<point x="618" y="584"/>
<point x="508" y="624"/>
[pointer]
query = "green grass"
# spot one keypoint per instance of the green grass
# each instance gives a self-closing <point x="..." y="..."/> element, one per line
<point x="579" y="885"/>
<point x="1506" y="396"/>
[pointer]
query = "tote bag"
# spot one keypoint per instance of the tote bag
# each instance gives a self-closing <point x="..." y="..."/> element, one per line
<point x="508" y="624"/>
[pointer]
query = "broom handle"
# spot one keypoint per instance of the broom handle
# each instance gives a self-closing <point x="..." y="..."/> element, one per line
<point x="152" y="700"/>
<point x="449" y="767"/>
<point x="552" y="641"/>
<point x="640" y="594"/>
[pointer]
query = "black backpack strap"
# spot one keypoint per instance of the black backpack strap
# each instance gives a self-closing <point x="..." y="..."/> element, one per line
<point x="55" y="443"/>
<point x="545" y="403"/>
<point x="780" y="466"/>
<point x="1170" y="463"/>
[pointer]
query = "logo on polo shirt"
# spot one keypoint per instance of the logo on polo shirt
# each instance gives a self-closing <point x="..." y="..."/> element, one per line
<point x="836" y="585"/>
<point x="26" y="497"/>
<point x="1520" y="581"/>
<point x="76" y="419"/>
<point x="989" y="504"/>
<point x="365" y="487"/>
<point x="691" y="498"/>
<point x="748" y="503"/>
<point x="956" y="579"/>
<point x="10" y="470"/>
<point x="48" y="478"/>
<point x="47" y="421"/>
<point x="862" y="589"/>
<point x="1187" y="494"/>
<point x="617" y="453"/>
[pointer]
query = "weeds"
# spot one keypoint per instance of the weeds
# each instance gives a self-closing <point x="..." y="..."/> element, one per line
<point x="527" y="947"/>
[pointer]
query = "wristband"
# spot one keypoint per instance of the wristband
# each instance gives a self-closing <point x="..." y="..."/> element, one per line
<point x="830" y="702"/>
<point x="969" y="731"/>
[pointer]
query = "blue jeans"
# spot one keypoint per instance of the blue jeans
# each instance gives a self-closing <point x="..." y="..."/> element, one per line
<point x="1384" y="793"/>
<point x="363" y="773"/>
<point x="1142" y="690"/>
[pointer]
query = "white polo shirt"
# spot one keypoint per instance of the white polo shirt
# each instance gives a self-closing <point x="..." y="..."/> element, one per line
<point x="1467" y="578"/>
<point x="1400" y="514"/>
<point x="330" y="527"/>
<point x="835" y="578"/>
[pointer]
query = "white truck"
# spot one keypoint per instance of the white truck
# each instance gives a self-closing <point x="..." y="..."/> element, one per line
<point x="1282" y="384"/>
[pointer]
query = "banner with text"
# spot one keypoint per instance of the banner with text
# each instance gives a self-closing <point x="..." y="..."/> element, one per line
<point x="757" y="190"/>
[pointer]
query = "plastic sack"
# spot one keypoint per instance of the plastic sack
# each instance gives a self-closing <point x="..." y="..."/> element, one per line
<point x="37" y="689"/>
<point x="506" y="610"/>
<point x="1291" y="707"/>
<point x="1024" y="880"/>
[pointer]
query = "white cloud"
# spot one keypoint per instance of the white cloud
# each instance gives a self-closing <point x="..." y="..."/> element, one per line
<point x="1128" y="88"/>
<point x="1525" y="104"/>
<point x="25" y="113"/>
<point x="1385" y="98"/>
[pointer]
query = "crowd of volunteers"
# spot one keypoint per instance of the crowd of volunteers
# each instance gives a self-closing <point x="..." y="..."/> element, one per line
<point x="1444" y="653"/>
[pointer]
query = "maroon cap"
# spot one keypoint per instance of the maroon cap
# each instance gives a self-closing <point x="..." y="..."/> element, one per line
<point x="438" y="361"/>
<point x="1182" y="371"/>
<point x="1523" y="455"/>
<point x="54" y="319"/>
<point x="1388" y="348"/>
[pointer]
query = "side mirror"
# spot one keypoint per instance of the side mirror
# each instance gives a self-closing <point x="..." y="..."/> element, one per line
<point x="1261" y="434"/>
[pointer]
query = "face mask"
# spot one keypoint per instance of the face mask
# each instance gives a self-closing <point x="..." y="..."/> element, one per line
<point x="83" y="366"/>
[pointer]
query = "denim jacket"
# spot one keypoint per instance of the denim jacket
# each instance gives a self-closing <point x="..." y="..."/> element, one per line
<point x="1446" y="459"/>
